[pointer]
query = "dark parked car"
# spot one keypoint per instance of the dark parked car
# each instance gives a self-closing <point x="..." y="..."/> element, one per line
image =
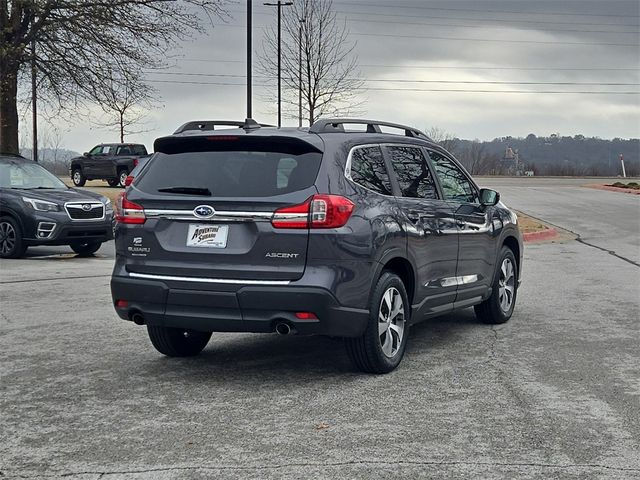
<point x="36" y="208"/>
<point x="110" y="161"/>
<point x="326" y="230"/>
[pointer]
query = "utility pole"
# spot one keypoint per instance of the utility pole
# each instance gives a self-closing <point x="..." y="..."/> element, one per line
<point x="280" y="4"/>
<point x="301" y="21"/>
<point x="624" y="173"/>
<point x="34" y="100"/>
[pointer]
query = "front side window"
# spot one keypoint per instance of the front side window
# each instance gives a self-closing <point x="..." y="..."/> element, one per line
<point x="455" y="184"/>
<point x="96" y="150"/>
<point x="368" y="169"/>
<point x="412" y="170"/>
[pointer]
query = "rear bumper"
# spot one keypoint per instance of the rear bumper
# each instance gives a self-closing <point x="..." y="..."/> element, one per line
<point x="250" y="308"/>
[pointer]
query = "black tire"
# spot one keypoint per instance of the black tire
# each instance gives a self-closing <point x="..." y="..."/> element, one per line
<point x="177" y="342"/>
<point x="11" y="243"/>
<point x="113" y="182"/>
<point x="122" y="176"/>
<point x="86" y="249"/>
<point x="78" y="177"/>
<point x="492" y="310"/>
<point x="367" y="352"/>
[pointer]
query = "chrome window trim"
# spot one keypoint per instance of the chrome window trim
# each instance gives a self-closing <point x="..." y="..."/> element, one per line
<point x="228" y="281"/>
<point x="93" y="203"/>
<point x="347" y="167"/>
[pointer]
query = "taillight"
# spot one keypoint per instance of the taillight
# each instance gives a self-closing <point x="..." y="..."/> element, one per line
<point x="128" y="180"/>
<point x="330" y="211"/>
<point x="319" y="211"/>
<point x="136" y="162"/>
<point x="127" y="211"/>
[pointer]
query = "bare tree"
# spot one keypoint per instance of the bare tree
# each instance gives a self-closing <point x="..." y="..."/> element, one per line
<point x="445" y="139"/>
<point x="75" y="40"/>
<point x="123" y="98"/>
<point x="477" y="160"/>
<point x="327" y="71"/>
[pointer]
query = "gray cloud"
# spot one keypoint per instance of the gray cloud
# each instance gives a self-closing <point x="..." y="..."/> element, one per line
<point x="469" y="115"/>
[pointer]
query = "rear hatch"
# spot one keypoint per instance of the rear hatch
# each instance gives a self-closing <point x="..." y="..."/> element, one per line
<point x="208" y="204"/>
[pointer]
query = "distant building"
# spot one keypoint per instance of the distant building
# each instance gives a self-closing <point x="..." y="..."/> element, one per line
<point x="511" y="164"/>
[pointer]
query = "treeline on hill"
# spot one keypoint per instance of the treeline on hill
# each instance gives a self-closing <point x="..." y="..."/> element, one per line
<point x="553" y="155"/>
<point x="56" y="160"/>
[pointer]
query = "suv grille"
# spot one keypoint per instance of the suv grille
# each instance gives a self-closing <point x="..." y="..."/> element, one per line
<point x="85" y="211"/>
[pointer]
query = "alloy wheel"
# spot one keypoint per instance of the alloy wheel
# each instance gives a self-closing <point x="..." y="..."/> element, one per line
<point x="7" y="238"/>
<point x="391" y="322"/>
<point x="506" y="285"/>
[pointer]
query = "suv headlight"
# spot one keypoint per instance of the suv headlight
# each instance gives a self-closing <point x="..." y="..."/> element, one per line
<point x="41" y="205"/>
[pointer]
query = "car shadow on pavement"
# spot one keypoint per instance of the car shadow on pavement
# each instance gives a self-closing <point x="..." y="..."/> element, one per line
<point x="259" y="357"/>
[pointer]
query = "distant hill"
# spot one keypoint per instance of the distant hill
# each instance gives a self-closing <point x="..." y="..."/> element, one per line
<point x="553" y="155"/>
<point x="54" y="160"/>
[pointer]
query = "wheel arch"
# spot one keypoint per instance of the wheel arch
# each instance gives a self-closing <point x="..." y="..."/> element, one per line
<point x="402" y="267"/>
<point x="513" y="244"/>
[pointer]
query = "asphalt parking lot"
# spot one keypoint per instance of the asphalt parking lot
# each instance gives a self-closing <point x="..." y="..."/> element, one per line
<point x="555" y="393"/>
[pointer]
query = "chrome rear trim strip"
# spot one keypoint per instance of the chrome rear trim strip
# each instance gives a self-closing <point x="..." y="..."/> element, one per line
<point x="217" y="216"/>
<point x="208" y="280"/>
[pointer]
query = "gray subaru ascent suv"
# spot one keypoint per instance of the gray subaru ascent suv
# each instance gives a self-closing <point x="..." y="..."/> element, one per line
<point x="343" y="229"/>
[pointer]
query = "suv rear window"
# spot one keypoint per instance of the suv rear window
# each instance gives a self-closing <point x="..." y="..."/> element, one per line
<point x="231" y="173"/>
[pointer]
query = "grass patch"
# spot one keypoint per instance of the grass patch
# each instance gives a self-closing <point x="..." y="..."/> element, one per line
<point x="529" y="225"/>
<point x="631" y="185"/>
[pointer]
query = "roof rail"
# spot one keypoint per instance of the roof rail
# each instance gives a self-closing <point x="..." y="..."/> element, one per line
<point x="336" y="125"/>
<point x="206" y="125"/>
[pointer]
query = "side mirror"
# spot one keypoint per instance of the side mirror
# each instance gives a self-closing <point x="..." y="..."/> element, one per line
<point x="489" y="197"/>
<point x="85" y="154"/>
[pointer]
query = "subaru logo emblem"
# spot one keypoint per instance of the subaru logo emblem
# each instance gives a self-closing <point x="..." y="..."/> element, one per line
<point x="204" y="211"/>
<point x="86" y="207"/>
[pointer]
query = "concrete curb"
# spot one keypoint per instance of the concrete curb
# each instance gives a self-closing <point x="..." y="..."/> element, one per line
<point x="546" y="234"/>
<point x="613" y="189"/>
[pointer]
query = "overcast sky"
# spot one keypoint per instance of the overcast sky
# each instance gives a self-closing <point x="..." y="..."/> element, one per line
<point x="546" y="42"/>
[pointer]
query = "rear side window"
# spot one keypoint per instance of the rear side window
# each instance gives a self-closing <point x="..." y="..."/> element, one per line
<point x="232" y="173"/>
<point x="368" y="169"/>
<point x="412" y="170"/>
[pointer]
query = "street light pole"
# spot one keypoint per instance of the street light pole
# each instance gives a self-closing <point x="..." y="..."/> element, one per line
<point x="249" y="48"/>
<point x="280" y="4"/>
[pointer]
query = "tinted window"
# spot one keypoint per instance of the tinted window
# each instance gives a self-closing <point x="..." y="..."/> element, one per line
<point x="455" y="184"/>
<point x="368" y="169"/>
<point x="138" y="149"/>
<point x="412" y="170"/>
<point x="232" y="173"/>
<point x="96" y="150"/>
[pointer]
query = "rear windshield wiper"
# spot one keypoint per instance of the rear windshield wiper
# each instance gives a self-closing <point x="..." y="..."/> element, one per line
<point x="187" y="190"/>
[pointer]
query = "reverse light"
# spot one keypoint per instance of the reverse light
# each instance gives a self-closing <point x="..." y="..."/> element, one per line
<point x="318" y="211"/>
<point x="128" y="212"/>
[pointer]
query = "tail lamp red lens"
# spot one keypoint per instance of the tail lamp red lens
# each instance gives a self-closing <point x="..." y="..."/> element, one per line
<point x="128" y="212"/>
<point x="318" y="211"/>
<point x="128" y="180"/>
<point x="306" y="316"/>
<point x="136" y="161"/>
<point x="121" y="303"/>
